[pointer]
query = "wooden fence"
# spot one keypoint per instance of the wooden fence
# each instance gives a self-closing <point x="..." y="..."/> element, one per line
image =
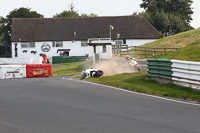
<point x="144" y="51"/>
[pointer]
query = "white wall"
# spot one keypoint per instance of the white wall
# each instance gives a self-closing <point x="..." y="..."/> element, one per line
<point x="15" y="61"/>
<point x="99" y="49"/>
<point x="138" y="42"/>
<point x="75" y="49"/>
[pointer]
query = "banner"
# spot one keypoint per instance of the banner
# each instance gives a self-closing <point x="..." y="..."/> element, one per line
<point x="12" y="71"/>
<point x="38" y="70"/>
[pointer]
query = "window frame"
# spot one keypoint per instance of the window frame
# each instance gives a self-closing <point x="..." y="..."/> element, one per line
<point x="55" y="44"/>
<point x="84" y="43"/>
<point x="27" y="45"/>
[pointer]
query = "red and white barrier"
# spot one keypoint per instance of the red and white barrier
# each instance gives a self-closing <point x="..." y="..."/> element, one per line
<point x="25" y="71"/>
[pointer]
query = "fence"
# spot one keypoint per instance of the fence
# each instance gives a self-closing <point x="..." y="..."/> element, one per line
<point x="144" y="51"/>
<point x="68" y="59"/>
<point x="184" y="73"/>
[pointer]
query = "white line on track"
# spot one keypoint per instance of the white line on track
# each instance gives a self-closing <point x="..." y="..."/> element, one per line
<point x="158" y="97"/>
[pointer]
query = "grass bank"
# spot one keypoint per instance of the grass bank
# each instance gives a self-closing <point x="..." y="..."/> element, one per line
<point x="138" y="82"/>
<point x="188" y="42"/>
<point x="189" y="53"/>
<point x="176" y="41"/>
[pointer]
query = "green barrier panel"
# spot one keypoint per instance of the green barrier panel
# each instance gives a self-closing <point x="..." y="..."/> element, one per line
<point x="159" y="76"/>
<point x="169" y="73"/>
<point x="159" y="60"/>
<point x="160" y="68"/>
<point x="165" y="64"/>
<point x="68" y="59"/>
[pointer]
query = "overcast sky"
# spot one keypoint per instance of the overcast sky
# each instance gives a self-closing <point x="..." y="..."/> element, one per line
<point x="48" y="8"/>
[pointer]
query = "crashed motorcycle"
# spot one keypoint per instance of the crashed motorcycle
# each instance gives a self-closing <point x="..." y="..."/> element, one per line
<point x="87" y="73"/>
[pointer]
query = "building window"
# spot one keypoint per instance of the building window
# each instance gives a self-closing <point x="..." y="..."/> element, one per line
<point x="57" y="44"/>
<point x="24" y="45"/>
<point x="31" y="44"/>
<point x="53" y="44"/>
<point x="84" y="43"/>
<point x="124" y="41"/>
<point x="28" y="45"/>
<point x="104" y="48"/>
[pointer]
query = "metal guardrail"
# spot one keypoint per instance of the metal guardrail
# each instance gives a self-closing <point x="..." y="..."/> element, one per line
<point x="159" y="68"/>
<point x="184" y="73"/>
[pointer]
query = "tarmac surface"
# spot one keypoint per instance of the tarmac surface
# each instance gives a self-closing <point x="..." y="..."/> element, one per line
<point x="60" y="105"/>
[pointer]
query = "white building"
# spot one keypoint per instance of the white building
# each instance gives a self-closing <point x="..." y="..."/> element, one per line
<point x="32" y="37"/>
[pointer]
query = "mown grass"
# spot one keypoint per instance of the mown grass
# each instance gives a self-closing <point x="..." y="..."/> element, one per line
<point x="138" y="82"/>
<point x="68" y="69"/>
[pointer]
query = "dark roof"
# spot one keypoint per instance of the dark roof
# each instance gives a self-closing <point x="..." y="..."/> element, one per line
<point x="62" y="29"/>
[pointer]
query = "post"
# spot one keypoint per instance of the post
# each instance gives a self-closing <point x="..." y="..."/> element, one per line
<point x="118" y="36"/>
<point x="94" y="59"/>
<point x="145" y="52"/>
<point x="111" y="28"/>
<point x="94" y="49"/>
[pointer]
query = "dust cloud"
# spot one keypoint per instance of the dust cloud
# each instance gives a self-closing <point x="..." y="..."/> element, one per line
<point x="114" y="66"/>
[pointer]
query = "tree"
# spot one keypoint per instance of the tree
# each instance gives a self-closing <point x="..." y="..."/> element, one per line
<point x="72" y="13"/>
<point x="161" y="21"/>
<point x="68" y="13"/>
<point x="6" y="23"/>
<point x="178" y="13"/>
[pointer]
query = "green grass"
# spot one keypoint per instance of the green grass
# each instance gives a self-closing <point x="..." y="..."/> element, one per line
<point x="176" y="41"/>
<point x="138" y="82"/>
<point x="189" y="53"/>
<point x="68" y="69"/>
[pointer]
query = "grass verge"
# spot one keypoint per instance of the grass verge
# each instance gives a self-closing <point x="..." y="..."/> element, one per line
<point x="68" y="69"/>
<point x="137" y="82"/>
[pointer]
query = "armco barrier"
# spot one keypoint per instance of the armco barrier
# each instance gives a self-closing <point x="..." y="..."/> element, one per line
<point x="159" y="68"/>
<point x="184" y="73"/>
<point x="12" y="71"/>
<point x="38" y="70"/>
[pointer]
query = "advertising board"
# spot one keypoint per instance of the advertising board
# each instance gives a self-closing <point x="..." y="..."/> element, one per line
<point x="12" y="71"/>
<point x="38" y="70"/>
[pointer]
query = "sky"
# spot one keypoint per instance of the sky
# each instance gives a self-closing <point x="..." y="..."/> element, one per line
<point x="48" y="8"/>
